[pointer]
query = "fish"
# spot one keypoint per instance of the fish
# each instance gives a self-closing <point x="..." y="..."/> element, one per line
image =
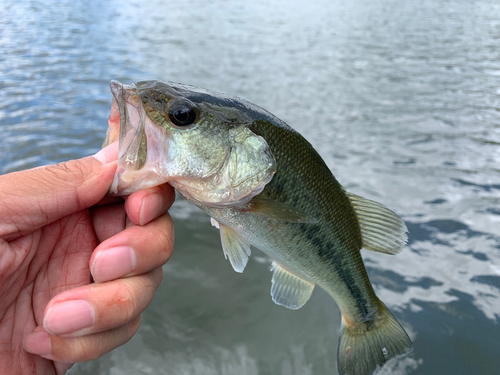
<point x="264" y="186"/>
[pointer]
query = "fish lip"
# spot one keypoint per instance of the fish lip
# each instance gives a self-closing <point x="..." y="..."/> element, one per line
<point x="122" y="93"/>
<point x="132" y="175"/>
<point x="117" y="90"/>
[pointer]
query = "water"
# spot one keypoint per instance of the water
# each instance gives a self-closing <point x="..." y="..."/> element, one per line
<point x="401" y="98"/>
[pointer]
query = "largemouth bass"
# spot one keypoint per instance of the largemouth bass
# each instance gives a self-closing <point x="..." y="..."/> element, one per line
<point x="265" y="186"/>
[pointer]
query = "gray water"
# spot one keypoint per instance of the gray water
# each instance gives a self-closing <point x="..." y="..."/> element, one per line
<point x="400" y="97"/>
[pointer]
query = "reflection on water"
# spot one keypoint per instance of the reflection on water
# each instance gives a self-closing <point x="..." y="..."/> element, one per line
<point x="402" y="100"/>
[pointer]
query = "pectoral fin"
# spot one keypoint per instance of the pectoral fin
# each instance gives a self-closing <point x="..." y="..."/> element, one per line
<point x="381" y="229"/>
<point x="279" y="211"/>
<point x="234" y="246"/>
<point x="289" y="290"/>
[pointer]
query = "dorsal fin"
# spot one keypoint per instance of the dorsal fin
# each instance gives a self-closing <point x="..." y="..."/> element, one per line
<point x="381" y="229"/>
<point x="289" y="290"/>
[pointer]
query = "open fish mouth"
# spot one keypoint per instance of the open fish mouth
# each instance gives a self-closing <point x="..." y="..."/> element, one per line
<point x="140" y="147"/>
<point x="164" y="137"/>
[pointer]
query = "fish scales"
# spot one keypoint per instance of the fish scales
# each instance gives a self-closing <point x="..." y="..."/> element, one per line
<point x="333" y="242"/>
<point x="264" y="185"/>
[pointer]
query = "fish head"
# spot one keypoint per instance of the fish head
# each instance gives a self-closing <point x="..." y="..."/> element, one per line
<point x="194" y="139"/>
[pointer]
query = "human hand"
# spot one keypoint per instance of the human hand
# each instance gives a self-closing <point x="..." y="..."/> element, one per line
<point x="57" y="230"/>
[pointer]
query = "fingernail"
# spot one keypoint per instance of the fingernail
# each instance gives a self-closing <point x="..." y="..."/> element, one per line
<point x="151" y="206"/>
<point x="108" y="153"/>
<point x="38" y="343"/>
<point x="110" y="264"/>
<point x="69" y="316"/>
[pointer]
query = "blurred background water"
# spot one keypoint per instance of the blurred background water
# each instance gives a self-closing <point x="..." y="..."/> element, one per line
<point x="401" y="98"/>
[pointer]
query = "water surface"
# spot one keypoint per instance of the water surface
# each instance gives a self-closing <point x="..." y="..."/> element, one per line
<point x="401" y="98"/>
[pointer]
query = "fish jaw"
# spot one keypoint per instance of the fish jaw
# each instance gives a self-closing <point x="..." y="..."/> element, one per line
<point x="142" y="144"/>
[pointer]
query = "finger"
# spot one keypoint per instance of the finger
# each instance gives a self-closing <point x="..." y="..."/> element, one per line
<point x="79" y="349"/>
<point x="134" y="251"/>
<point x="146" y="205"/>
<point x="39" y="196"/>
<point x="108" y="220"/>
<point x="142" y="207"/>
<point x="100" y="307"/>
<point x="109" y="199"/>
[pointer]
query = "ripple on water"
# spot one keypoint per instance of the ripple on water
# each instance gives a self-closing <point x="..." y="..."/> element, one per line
<point x="400" y="98"/>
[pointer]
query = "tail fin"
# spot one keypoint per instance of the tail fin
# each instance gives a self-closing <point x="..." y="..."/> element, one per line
<point x="365" y="351"/>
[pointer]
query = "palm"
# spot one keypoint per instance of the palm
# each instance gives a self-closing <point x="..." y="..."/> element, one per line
<point x="34" y="268"/>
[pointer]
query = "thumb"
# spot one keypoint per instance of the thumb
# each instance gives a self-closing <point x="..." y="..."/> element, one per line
<point x="36" y="197"/>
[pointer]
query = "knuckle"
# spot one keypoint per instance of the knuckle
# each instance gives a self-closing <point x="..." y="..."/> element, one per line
<point x="166" y="238"/>
<point x="141" y="290"/>
<point x="127" y="301"/>
<point x="87" y="350"/>
<point x="91" y="347"/>
<point x="76" y="168"/>
<point x="73" y="171"/>
<point x="157" y="277"/>
<point x="133" y="326"/>
<point x="75" y="349"/>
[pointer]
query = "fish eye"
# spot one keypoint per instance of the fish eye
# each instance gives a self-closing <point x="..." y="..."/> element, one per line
<point x="182" y="115"/>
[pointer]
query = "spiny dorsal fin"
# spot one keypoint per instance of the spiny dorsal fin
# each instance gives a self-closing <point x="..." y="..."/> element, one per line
<point x="278" y="210"/>
<point x="234" y="246"/>
<point x="381" y="229"/>
<point x="289" y="290"/>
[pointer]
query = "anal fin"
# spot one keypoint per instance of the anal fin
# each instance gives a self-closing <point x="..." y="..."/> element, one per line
<point x="289" y="290"/>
